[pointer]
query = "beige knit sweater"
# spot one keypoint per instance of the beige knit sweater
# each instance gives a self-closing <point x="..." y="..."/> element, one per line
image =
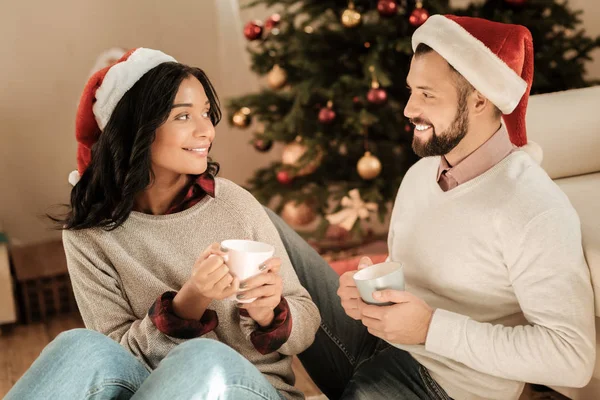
<point x="118" y="275"/>
<point x="501" y="260"/>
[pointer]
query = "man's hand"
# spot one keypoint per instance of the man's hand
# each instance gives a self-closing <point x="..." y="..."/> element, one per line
<point x="406" y="322"/>
<point x="348" y="293"/>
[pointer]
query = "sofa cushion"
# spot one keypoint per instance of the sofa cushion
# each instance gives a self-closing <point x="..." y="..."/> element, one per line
<point x="566" y="125"/>
<point x="584" y="193"/>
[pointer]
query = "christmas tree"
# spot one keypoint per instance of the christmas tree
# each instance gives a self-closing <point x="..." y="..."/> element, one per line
<point x="561" y="45"/>
<point x="335" y="73"/>
<point x="335" y="93"/>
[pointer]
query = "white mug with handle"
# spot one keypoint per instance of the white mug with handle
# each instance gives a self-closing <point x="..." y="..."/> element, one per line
<point x="244" y="259"/>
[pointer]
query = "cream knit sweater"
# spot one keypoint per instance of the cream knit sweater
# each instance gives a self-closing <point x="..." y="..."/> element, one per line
<point x="501" y="261"/>
<point x="118" y="275"/>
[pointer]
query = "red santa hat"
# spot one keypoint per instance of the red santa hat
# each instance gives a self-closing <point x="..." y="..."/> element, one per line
<point x="496" y="58"/>
<point x="102" y="93"/>
<point x="107" y="58"/>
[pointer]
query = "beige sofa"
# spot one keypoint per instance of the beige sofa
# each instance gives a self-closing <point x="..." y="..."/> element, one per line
<point x="567" y="127"/>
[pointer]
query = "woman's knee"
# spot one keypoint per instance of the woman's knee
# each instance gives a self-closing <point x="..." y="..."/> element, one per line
<point x="98" y="350"/>
<point x="78" y="340"/>
<point x="207" y="348"/>
<point x="208" y="354"/>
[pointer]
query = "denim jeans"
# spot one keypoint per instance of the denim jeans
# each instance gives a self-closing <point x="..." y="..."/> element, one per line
<point x="83" y="364"/>
<point x="346" y="361"/>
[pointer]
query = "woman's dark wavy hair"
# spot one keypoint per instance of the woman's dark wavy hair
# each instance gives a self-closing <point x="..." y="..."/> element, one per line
<point x="120" y="165"/>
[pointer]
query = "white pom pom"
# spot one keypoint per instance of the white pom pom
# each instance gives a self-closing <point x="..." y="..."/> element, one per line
<point x="534" y="150"/>
<point x="74" y="177"/>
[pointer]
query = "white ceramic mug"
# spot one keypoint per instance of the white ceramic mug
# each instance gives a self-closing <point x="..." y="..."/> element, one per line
<point x="385" y="275"/>
<point x="244" y="258"/>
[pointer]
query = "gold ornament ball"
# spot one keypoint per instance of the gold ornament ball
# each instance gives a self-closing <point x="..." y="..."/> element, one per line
<point x="292" y="153"/>
<point x="277" y="77"/>
<point x="369" y="166"/>
<point x="298" y="214"/>
<point x="241" y="118"/>
<point x="351" y="18"/>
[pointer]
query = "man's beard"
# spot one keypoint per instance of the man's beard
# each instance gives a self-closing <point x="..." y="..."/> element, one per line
<point x="439" y="145"/>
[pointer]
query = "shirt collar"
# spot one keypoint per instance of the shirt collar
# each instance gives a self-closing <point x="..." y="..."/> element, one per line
<point x="494" y="150"/>
<point x="206" y="182"/>
<point x="198" y="187"/>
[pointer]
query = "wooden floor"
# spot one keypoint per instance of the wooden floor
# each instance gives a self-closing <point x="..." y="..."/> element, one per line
<point x="22" y="344"/>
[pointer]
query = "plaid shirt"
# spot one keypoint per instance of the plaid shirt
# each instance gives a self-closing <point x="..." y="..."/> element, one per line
<point x="265" y="340"/>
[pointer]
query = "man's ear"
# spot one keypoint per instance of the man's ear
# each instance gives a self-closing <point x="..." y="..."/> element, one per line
<point x="479" y="103"/>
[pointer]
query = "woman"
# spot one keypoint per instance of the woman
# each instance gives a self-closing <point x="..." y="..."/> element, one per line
<point x="144" y="220"/>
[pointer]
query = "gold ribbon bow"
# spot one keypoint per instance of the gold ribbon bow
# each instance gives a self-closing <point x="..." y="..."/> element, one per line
<point x="354" y="208"/>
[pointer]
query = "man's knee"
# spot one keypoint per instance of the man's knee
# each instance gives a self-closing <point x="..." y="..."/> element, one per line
<point x="276" y="220"/>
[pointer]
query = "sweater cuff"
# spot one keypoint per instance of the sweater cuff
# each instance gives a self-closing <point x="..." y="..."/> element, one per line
<point x="269" y="339"/>
<point x="445" y="332"/>
<point x="166" y="321"/>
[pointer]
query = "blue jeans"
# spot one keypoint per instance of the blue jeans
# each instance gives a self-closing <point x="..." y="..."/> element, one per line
<point x="83" y="364"/>
<point x="346" y="361"/>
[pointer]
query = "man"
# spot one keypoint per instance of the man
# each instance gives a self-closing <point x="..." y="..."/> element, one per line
<point x="497" y="288"/>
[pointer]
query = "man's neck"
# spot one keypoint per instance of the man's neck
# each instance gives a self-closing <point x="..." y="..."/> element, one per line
<point x="158" y="197"/>
<point x="476" y="136"/>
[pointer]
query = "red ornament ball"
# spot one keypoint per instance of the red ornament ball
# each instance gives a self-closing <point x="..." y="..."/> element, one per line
<point x="253" y="30"/>
<point x="272" y="21"/>
<point x="387" y="8"/>
<point x="377" y="96"/>
<point x="262" y="144"/>
<point x="284" y="177"/>
<point x="418" y="17"/>
<point x="336" y="232"/>
<point x="326" y="115"/>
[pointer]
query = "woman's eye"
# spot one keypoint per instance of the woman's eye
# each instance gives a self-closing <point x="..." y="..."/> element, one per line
<point x="206" y="114"/>
<point x="182" y="117"/>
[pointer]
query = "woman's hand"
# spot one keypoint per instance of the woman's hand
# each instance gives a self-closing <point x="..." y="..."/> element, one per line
<point x="211" y="277"/>
<point x="267" y="288"/>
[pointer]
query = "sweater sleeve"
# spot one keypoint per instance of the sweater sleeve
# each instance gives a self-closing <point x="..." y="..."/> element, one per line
<point x="163" y="316"/>
<point x="271" y="338"/>
<point x="305" y="317"/>
<point x="105" y="308"/>
<point x="551" y="281"/>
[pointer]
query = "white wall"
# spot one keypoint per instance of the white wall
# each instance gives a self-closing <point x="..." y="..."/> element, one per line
<point x="46" y="51"/>
<point x="591" y="22"/>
